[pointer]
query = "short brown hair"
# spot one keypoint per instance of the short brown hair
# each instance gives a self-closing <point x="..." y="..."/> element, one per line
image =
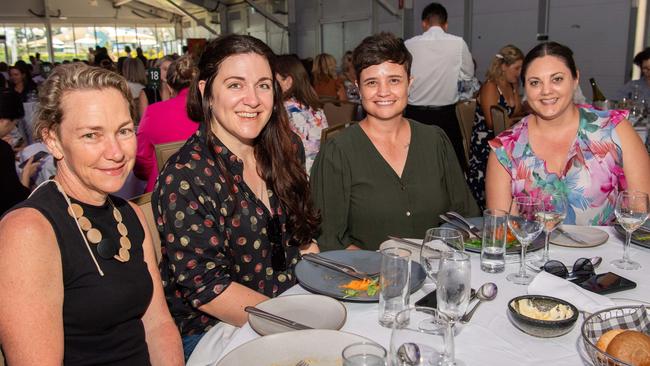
<point x="380" y="48"/>
<point x="72" y="77"/>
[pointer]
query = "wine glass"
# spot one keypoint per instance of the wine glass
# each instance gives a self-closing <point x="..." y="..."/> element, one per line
<point x="631" y="212"/>
<point x="554" y="213"/>
<point x="436" y="241"/>
<point x="412" y="342"/>
<point x="454" y="287"/>
<point x="526" y="224"/>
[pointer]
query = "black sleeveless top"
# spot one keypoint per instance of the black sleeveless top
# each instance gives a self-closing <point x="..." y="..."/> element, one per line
<point x="101" y="315"/>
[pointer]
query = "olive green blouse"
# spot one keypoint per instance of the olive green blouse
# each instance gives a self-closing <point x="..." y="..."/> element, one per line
<point x="362" y="200"/>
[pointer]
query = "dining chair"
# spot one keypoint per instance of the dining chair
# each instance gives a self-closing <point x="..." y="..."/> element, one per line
<point x="144" y="202"/>
<point x="329" y="132"/>
<point x="500" y="120"/>
<point x="166" y="150"/>
<point x="338" y="112"/>
<point x="465" y="111"/>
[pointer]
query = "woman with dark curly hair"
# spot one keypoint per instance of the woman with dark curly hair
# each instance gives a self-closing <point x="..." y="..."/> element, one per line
<point x="233" y="205"/>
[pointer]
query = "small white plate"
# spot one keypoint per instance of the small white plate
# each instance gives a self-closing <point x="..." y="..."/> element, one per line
<point x="591" y="235"/>
<point x="320" y="347"/>
<point x="316" y="311"/>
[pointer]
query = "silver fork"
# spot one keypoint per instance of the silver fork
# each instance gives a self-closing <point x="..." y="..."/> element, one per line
<point x="302" y="363"/>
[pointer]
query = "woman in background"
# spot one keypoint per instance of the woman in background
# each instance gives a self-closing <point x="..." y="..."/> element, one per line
<point x="326" y="82"/>
<point x="165" y="121"/>
<point x="306" y="116"/>
<point x="349" y="78"/>
<point x="20" y="81"/>
<point x="501" y="87"/>
<point x="163" y="92"/>
<point x="135" y="74"/>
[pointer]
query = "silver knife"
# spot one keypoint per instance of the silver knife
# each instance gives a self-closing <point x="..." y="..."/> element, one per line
<point x="342" y="269"/>
<point x="571" y="236"/>
<point x="457" y="226"/>
<point x="406" y="241"/>
<point x="476" y="231"/>
<point x="276" y="318"/>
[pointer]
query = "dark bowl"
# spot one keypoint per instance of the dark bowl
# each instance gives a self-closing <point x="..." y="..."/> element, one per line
<point x="542" y="328"/>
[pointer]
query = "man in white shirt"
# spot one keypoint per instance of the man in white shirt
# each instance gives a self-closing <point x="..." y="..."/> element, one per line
<point x="441" y="61"/>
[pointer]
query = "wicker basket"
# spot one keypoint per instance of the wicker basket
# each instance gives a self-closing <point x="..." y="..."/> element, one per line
<point x="622" y="317"/>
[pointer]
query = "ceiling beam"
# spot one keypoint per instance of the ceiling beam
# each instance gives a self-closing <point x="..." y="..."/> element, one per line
<point x="198" y="21"/>
<point x="267" y="15"/>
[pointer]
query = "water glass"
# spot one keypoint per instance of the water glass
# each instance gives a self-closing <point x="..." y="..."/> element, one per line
<point x="364" y="354"/>
<point x="415" y="339"/>
<point x="436" y="241"/>
<point x="526" y="224"/>
<point x="552" y="216"/>
<point x="631" y="212"/>
<point x="394" y="281"/>
<point x="493" y="248"/>
<point x="454" y="288"/>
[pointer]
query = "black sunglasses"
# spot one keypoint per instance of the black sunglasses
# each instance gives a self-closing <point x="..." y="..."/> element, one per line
<point x="582" y="268"/>
<point x="278" y="255"/>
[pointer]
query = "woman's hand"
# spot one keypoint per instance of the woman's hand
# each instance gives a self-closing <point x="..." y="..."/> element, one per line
<point x="30" y="168"/>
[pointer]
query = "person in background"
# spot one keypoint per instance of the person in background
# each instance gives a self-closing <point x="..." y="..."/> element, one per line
<point x="501" y="87"/>
<point x="121" y="59"/>
<point x="136" y="76"/>
<point x="14" y="189"/>
<point x="386" y="175"/>
<point x="78" y="262"/>
<point x="349" y="78"/>
<point x="165" y="121"/>
<point x="325" y="81"/>
<point x="641" y="85"/>
<point x="140" y="56"/>
<point x="4" y="69"/>
<point x="306" y="116"/>
<point x="163" y="91"/>
<point x="233" y="206"/>
<point x="20" y="81"/>
<point x="440" y="61"/>
<point x="586" y="154"/>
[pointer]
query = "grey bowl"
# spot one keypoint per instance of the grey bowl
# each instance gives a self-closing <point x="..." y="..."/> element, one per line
<point x="542" y="328"/>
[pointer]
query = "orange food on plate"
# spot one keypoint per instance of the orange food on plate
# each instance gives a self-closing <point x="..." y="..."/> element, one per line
<point x="358" y="285"/>
<point x="510" y="237"/>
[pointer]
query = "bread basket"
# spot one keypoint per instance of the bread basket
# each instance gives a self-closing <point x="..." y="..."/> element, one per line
<point x="632" y="317"/>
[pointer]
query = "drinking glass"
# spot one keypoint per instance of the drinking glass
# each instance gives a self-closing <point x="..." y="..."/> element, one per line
<point x="493" y="244"/>
<point x="364" y="354"/>
<point x="554" y="213"/>
<point x="412" y="340"/>
<point x="454" y="287"/>
<point x="394" y="282"/>
<point x="525" y="222"/>
<point x="436" y="241"/>
<point x="631" y="212"/>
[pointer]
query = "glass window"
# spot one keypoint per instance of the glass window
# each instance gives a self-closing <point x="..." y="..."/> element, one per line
<point x="126" y="36"/>
<point x="84" y="38"/>
<point x="147" y="41"/>
<point x="36" y="37"/>
<point x="63" y="43"/>
<point x="105" y="37"/>
<point x="4" y="54"/>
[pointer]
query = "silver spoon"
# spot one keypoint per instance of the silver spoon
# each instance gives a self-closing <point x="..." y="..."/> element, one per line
<point x="487" y="292"/>
<point x="409" y="354"/>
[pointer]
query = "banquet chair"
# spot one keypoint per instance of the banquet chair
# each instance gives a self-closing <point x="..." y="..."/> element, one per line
<point x="166" y="150"/>
<point x="500" y="120"/>
<point x="329" y="132"/>
<point x="144" y="201"/>
<point x="338" y="112"/>
<point x="465" y="110"/>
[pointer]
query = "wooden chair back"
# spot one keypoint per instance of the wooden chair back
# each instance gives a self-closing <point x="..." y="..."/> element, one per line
<point x="465" y="111"/>
<point x="338" y="112"/>
<point x="166" y="150"/>
<point x="144" y="201"/>
<point x="329" y="132"/>
<point x="500" y="120"/>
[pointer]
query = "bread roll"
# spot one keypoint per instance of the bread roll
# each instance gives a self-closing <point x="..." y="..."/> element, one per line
<point x="631" y="347"/>
<point x="607" y="337"/>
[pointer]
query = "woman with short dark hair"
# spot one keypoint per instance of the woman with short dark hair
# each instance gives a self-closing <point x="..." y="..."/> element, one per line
<point x="642" y="84"/>
<point x="386" y="175"/>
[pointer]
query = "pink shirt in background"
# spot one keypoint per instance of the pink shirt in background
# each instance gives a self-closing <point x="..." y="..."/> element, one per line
<point x="162" y="122"/>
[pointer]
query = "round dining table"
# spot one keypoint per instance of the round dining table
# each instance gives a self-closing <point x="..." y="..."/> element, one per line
<point x="490" y="338"/>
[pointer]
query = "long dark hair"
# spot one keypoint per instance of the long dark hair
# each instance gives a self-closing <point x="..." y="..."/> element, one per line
<point x="301" y="89"/>
<point x="277" y="162"/>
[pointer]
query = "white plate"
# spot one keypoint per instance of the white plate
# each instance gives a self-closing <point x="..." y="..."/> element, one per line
<point x="593" y="236"/>
<point x="316" y="311"/>
<point x="319" y="347"/>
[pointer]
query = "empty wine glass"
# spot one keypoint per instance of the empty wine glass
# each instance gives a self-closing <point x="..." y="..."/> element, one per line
<point x="436" y="241"/>
<point x="412" y="343"/>
<point x="553" y="214"/>
<point x="631" y="212"/>
<point x="454" y="288"/>
<point x="526" y="224"/>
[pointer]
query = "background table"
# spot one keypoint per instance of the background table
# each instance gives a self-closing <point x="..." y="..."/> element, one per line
<point x="490" y="338"/>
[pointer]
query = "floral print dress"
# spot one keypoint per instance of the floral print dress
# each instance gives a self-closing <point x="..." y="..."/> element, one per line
<point x="593" y="174"/>
<point x="308" y="124"/>
<point x="480" y="151"/>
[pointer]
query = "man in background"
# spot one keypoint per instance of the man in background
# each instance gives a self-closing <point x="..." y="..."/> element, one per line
<point x="441" y="61"/>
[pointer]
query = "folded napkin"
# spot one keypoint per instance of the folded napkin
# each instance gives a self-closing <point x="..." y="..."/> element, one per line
<point x="550" y="285"/>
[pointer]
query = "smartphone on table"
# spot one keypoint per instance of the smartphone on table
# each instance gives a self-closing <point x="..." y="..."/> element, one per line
<point x="606" y="283"/>
<point x="429" y="300"/>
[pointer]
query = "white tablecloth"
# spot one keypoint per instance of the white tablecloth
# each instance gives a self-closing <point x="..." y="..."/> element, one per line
<point x="490" y="338"/>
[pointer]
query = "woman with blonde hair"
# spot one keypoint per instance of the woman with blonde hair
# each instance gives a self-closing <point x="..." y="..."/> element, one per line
<point x="500" y="88"/>
<point x="326" y="83"/>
